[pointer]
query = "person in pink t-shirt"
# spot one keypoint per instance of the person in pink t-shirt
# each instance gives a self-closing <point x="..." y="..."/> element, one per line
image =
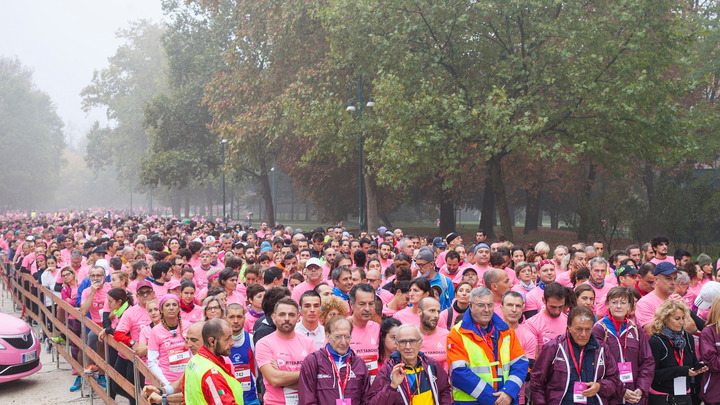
<point x="434" y="336"/>
<point x="512" y="310"/>
<point x="280" y="354"/>
<point x="551" y="322"/>
<point x="189" y="310"/>
<point x="228" y="279"/>
<point x="534" y="298"/>
<point x="201" y="271"/>
<point x="256" y="293"/>
<point x="313" y="276"/>
<point x="399" y="301"/>
<point x="665" y="283"/>
<point x="598" y="270"/>
<point x="660" y="245"/>
<point x="167" y="352"/>
<point x="365" y="333"/>
<point x="419" y="289"/>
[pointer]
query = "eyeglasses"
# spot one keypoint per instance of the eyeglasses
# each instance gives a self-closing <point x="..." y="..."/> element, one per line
<point x="408" y="342"/>
<point x="213" y="308"/>
<point x="618" y="303"/>
<point x="483" y="306"/>
<point x="422" y="265"/>
<point x="341" y="337"/>
<point x="145" y="294"/>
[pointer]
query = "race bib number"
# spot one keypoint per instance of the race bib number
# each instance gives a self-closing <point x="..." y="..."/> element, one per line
<point x="292" y="397"/>
<point x="242" y="374"/>
<point x="578" y="397"/>
<point x="178" y="358"/>
<point x="625" y="370"/>
<point x="345" y="401"/>
<point x="680" y="386"/>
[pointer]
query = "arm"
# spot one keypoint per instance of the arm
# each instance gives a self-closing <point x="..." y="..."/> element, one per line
<point x="154" y="366"/>
<point x="279" y="378"/>
<point x="380" y="391"/>
<point x="122" y="332"/>
<point x="87" y="303"/>
<point x="308" y="377"/>
<point x="518" y="369"/>
<point x="708" y="350"/>
<point x="461" y="377"/>
<point x="664" y="375"/>
<point x="646" y="365"/>
<point x="215" y="389"/>
<point x="690" y="326"/>
<point x="443" y="384"/>
<point x="611" y="380"/>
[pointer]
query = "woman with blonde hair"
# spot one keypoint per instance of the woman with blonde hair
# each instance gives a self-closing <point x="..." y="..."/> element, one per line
<point x="213" y="307"/>
<point x="710" y="355"/>
<point x="331" y="306"/>
<point x="674" y="352"/>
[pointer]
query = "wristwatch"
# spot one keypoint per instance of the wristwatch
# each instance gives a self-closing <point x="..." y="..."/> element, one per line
<point x="132" y="343"/>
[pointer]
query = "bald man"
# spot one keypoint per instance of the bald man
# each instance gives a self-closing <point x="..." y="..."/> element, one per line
<point x="498" y="282"/>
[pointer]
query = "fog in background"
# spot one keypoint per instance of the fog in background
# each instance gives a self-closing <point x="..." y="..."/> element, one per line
<point x="63" y="42"/>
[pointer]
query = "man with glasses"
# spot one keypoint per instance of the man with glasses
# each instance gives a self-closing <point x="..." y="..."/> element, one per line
<point x="434" y="338"/>
<point x="487" y="363"/>
<point x="425" y="263"/>
<point x="374" y="279"/>
<point x="334" y="374"/>
<point x="313" y="276"/>
<point x="409" y="376"/>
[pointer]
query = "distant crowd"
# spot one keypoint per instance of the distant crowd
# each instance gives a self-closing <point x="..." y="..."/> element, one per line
<point x="227" y="315"/>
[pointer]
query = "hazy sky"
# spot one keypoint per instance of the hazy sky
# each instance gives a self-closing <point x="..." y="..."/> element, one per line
<point x="64" y="41"/>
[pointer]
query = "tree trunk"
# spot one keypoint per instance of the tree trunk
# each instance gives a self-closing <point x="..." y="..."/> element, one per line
<point x="487" y="214"/>
<point x="447" y="212"/>
<point x="554" y="220"/>
<point x="175" y="204"/>
<point x="585" y="222"/>
<point x="373" y="218"/>
<point x="649" y="181"/>
<point x="495" y="167"/>
<point x="292" y="206"/>
<point x="307" y="210"/>
<point x="532" y="209"/>
<point x="386" y="221"/>
<point x="187" y="207"/>
<point x="266" y="194"/>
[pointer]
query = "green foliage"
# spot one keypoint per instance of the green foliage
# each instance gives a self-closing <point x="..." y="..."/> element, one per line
<point x="136" y="73"/>
<point x="31" y="137"/>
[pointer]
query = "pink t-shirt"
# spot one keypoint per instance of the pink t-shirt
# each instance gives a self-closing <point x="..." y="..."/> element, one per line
<point x="480" y="272"/>
<point x="533" y="300"/>
<point x="646" y="307"/>
<point x="300" y="289"/>
<point x="511" y="273"/>
<point x="289" y="355"/>
<point x="201" y="280"/>
<point x="529" y="345"/>
<point x="195" y="315"/>
<point x="98" y="301"/>
<point x="250" y="320"/>
<point x="364" y="343"/>
<point x="385" y="296"/>
<point x="564" y="279"/>
<point x="668" y="259"/>
<point x="435" y="345"/>
<point x="173" y="356"/>
<point x="160" y="290"/>
<point x="408" y="315"/>
<point x="544" y="328"/>
<point x="234" y="298"/>
<point x="133" y="320"/>
<point x="692" y="293"/>
<point x="600" y="295"/>
<point x="389" y="311"/>
<point x="384" y="264"/>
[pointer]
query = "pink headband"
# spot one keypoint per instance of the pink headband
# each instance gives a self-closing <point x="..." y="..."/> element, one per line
<point x="213" y="276"/>
<point x="544" y="262"/>
<point x="169" y="297"/>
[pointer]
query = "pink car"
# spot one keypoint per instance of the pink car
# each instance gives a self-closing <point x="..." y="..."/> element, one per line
<point x="19" y="349"/>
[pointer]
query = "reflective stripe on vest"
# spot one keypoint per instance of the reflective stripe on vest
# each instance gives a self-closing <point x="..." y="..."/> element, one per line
<point x="195" y="370"/>
<point x="482" y="367"/>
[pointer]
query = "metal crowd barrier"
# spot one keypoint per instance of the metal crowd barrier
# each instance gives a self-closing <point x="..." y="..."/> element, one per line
<point x="14" y="284"/>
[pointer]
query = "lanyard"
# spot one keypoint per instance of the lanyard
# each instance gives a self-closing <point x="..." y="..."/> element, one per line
<point x="618" y="328"/>
<point x="572" y="354"/>
<point x="418" y="377"/>
<point x="681" y="357"/>
<point x="487" y="337"/>
<point x="341" y="384"/>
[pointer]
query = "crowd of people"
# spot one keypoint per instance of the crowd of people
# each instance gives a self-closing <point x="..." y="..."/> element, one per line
<point x="222" y="314"/>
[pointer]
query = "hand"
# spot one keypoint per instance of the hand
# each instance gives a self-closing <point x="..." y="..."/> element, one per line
<point x="397" y="375"/>
<point x="155" y="398"/>
<point x="274" y="364"/>
<point x="140" y="349"/>
<point x="592" y="390"/>
<point x="632" y="397"/>
<point x="101" y="336"/>
<point x="504" y="398"/>
<point x="94" y="286"/>
<point x="676" y="297"/>
<point x="694" y="372"/>
<point x="149" y="389"/>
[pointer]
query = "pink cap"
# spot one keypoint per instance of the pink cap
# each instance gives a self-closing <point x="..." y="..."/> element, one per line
<point x="173" y="284"/>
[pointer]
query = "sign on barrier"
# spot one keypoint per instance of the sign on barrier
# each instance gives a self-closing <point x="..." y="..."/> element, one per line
<point x="20" y="293"/>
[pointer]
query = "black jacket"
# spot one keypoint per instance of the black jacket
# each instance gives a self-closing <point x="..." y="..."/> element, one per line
<point x="666" y="365"/>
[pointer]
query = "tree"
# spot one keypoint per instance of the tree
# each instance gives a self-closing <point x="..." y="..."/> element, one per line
<point x="32" y="138"/>
<point x="135" y="74"/>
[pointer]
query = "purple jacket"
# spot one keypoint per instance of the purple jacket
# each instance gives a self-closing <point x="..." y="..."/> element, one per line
<point x="381" y="393"/>
<point x="710" y="355"/>
<point x="550" y="376"/>
<point x="319" y="384"/>
<point x="637" y="352"/>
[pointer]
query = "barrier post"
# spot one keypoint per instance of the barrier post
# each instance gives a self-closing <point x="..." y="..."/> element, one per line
<point x="107" y="376"/>
<point x="57" y="353"/>
<point x="86" y="384"/>
<point x="136" y="376"/>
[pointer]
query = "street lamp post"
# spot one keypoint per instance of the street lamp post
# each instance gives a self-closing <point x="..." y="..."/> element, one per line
<point x="272" y="194"/>
<point x="351" y="108"/>
<point x="223" y="142"/>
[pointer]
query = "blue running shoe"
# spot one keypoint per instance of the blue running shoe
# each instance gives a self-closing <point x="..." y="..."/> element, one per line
<point x="76" y="386"/>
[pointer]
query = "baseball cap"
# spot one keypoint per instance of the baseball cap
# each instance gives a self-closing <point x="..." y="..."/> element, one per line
<point x="99" y="249"/>
<point x="143" y="283"/>
<point x="626" y="270"/>
<point x="438" y="242"/>
<point x="707" y="294"/>
<point x="314" y="261"/>
<point x="172" y="284"/>
<point x="665" y="269"/>
<point x="425" y="254"/>
<point x="382" y="230"/>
